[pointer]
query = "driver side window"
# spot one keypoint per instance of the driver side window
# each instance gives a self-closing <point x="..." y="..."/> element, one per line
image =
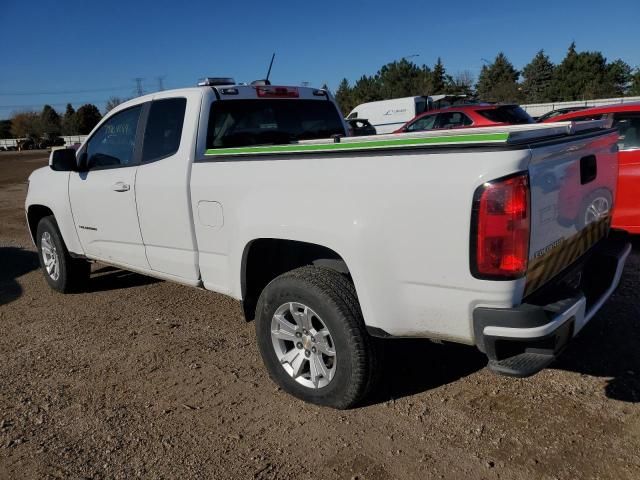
<point x="113" y="143"/>
<point x="424" y="123"/>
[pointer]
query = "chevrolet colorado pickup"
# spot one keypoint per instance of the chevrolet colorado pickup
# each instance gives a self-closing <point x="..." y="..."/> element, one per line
<point x="254" y="191"/>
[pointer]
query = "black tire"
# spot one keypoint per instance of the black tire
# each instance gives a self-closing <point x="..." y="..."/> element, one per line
<point x="600" y="194"/>
<point x="333" y="297"/>
<point x="73" y="273"/>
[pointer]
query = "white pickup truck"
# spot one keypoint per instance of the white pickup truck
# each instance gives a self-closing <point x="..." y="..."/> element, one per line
<point x="494" y="237"/>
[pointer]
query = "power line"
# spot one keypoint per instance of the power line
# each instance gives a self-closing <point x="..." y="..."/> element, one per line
<point x="40" y="105"/>
<point x="64" y="92"/>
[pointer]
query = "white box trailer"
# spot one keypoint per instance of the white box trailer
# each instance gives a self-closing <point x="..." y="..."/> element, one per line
<point x="389" y="115"/>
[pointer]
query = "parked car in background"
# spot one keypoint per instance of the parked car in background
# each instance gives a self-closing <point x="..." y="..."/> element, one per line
<point x="626" y="117"/>
<point x="462" y="116"/>
<point x="555" y="113"/>
<point x="388" y="115"/>
<point x="359" y="127"/>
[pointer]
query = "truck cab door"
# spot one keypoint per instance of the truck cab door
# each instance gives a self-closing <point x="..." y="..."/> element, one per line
<point x="103" y="197"/>
<point x="162" y="186"/>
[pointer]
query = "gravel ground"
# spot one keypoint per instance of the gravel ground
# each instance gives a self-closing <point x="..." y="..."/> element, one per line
<point x="143" y="378"/>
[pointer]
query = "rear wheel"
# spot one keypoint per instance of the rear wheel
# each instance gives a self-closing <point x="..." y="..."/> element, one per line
<point x="312" y="337"/>
<point x="62" y="272"/>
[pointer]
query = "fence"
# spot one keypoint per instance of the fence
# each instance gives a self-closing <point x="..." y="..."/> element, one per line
<point x="70" y="140"/>
<point x="538" y="109"/>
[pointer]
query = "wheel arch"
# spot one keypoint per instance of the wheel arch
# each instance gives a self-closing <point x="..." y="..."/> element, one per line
<point x="35" y="213"/>
<point x="263" y="259"/>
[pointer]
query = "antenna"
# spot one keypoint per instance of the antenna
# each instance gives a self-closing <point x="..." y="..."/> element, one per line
<point x="270" y="65"/>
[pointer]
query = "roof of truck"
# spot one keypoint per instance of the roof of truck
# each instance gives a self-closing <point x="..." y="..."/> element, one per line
<point x="236" y="92"/>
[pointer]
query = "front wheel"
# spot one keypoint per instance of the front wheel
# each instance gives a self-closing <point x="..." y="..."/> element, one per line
<point x="62" y="272"/>
<point x="312" y="337"/>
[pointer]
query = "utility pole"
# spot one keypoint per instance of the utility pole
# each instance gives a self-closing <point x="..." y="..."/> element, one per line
<point x="139" y="89"/>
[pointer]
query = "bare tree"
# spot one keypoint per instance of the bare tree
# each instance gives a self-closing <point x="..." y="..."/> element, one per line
<point x="25" y="124"/>
<point x="112" y="103"/>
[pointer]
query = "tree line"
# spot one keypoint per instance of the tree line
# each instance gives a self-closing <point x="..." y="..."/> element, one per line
<point x="50" y="124"/>
<point x="579" y="76"/>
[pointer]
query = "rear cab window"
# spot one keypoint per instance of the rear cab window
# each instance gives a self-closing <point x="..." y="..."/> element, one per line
<point x="246" y="122"/>
<point x="511" y="114"/>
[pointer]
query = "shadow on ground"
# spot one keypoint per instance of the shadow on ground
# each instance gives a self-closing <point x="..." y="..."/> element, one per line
<point x="609" y="346"/>
<point x="412" y="366"/>
<point x="111" y="278"/>
<point x="14" y="262"/>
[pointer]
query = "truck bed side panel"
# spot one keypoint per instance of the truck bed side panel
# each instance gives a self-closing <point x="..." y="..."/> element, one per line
<point x="400" y="221"/>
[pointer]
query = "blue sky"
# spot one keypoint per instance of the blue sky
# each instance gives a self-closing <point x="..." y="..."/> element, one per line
<point x="94" y="50"/>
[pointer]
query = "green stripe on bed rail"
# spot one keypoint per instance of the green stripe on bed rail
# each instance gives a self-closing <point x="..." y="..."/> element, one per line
<point x="369" y="144"/>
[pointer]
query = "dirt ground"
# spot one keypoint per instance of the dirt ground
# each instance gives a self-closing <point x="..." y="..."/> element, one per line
<point x="143" y="378"/>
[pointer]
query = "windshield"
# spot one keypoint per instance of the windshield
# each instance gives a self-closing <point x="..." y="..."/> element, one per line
<point x="238" y="123"/>
<point x="511" y="114"/>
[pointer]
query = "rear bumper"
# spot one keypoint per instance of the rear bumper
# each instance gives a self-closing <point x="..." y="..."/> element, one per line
<point x="523" y="340"/>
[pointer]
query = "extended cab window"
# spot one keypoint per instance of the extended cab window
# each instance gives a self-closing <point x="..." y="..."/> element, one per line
<point x="629" y="127"/>
<point x="113" y="143"/>
<point x="164" y="128"/>
<point x="238" y="123"/>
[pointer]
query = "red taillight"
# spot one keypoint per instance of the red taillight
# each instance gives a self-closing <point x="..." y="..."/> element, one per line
<point x="277" y="92"/>
<point x="501" y="228"/>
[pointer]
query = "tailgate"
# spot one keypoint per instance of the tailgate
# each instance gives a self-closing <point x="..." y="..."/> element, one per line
<point x="573" y="184"/>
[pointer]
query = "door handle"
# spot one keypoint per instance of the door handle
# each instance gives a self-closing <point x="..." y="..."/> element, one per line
<point x="120" y="187"/>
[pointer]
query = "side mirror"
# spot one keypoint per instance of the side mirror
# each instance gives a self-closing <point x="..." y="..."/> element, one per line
<point x="63" y="160"/>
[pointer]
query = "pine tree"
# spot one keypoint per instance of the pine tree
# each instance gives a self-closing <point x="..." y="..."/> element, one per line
<point x="439" y="76"/>
<point x="424" y="82"/>
<point x="69" y="123"/>
<point x="344" y="97"/>
<point x="87" y="117"/>
<point x="634" y="89"/>
<point x="582" y="76"/>
<point x="367" y="89"/>
<point x="538" y="78"/>
<point x="498" y="81"/>
<point x="620" y="77"/>
<point x="399" y="79"/>
<point x="50" y="123"/>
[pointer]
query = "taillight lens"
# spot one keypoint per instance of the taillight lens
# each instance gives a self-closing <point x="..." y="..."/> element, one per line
<point x="500" y="229"/>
